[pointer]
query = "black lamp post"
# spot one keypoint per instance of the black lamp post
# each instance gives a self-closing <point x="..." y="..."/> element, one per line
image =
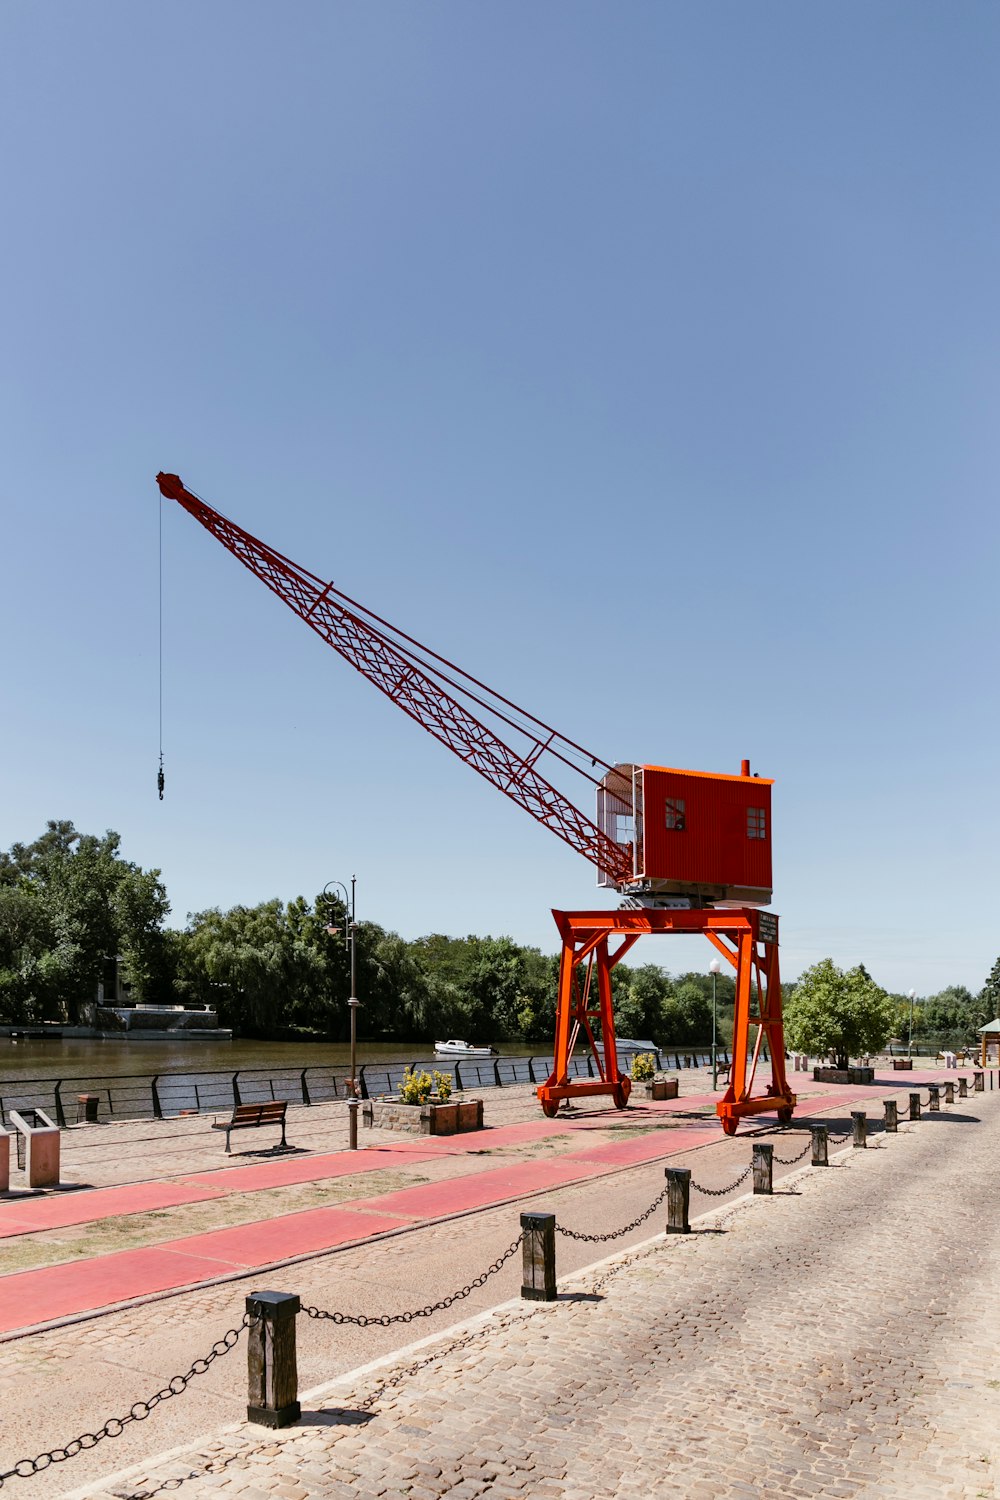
<point x="350" y="933"/>
<point x="911" y="994"/>
<point x="713" y="969"/>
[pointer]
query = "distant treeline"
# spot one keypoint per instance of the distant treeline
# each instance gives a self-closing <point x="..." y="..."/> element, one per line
<point x="69" y="902"/>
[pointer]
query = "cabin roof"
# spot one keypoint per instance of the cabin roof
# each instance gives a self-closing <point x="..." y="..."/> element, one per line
<point x="712" y="775"/>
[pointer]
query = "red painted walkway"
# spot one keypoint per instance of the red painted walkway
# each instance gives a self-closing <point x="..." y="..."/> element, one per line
<point x="36" y="1297"/>
<point x="28" y="1213"/>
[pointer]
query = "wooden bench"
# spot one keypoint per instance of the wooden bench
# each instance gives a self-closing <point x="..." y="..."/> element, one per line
<point x="250" y="1116"/>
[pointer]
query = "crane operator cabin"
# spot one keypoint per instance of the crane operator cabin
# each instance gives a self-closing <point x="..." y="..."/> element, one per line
<point x="697" y="838"/>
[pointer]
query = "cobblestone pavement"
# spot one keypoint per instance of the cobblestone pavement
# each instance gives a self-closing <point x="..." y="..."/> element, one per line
<point x="838" y="1338"/>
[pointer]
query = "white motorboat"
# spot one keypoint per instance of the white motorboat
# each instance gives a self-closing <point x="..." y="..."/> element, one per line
<point x="462" y="1049"/>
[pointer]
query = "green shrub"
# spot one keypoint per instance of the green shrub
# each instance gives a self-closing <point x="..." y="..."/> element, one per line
<point x="643" y="1067"/>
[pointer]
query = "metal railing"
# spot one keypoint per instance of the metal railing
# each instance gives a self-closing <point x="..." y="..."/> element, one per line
<point x="159" y="1096"/>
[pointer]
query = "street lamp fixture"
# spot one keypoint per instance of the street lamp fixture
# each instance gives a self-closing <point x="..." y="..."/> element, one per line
<point x="911" y="995"/>
<point x="350" y="933"/>
<point x="713" y="969"/>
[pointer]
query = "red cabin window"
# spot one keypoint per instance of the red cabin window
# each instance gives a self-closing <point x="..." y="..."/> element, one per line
<point x="756" y="823"/>
<point x="675" y="813"/>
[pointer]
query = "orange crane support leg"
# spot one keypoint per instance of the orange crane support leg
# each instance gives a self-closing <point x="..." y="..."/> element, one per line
<point x="746" y="938"/>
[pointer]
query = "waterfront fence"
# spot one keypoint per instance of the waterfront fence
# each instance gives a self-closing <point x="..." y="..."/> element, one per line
<point x="160" y="1096"/>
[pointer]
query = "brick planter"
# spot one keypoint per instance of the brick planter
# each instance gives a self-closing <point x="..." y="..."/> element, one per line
<point x="661" y="1088"/>
<point x="424" y="1119"/>
<point x="844" y="1075"/>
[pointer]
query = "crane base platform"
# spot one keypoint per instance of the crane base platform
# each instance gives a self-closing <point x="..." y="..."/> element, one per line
<point x="551" y="1095"/>
<point x="731" y="1112"/>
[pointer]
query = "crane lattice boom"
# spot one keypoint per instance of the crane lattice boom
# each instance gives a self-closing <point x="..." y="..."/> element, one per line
<point x="428" y="688"/>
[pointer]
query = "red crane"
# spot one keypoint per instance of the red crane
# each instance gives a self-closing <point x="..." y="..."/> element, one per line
<point x="673" y="843"/>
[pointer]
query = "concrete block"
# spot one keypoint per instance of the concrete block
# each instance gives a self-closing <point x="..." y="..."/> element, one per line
<point x="41" y="1161"/>
<point x="41" y="1146"/>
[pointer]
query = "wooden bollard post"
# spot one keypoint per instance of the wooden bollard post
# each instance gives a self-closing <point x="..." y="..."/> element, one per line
<point x="914" y="1106"/>
<point x="935" y="1092"/>
<point x="678" y="1199"/>
<point x="977" y="1083"/>
<point x="272" y="1374"/>
<point x="963" y="1088"/>
<point x="949" y="1092"/>
<point x="820" y="1135"/>
<point x="538" y="1257"/>
<point x="860" y="1122"/>
<point x="763" y="1167"/>
<point x="890" y="1115"/>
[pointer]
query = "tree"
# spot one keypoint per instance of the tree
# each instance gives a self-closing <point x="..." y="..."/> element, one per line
<point x="846" y="1014"/>
<point x="391" y="984"/>
<point x="639" y="997"/>
<point x="673" y="1012"/>
<point x="953" y="1011"/>
<point x="495" y="985"/>
<point x="26" y="936"/>
<point x="688" y="1015"/>
<point x="256" y="965"/>
<point x="68" y="903"/>
<point x="989" y="995"/>
<point x="489" y="988"/>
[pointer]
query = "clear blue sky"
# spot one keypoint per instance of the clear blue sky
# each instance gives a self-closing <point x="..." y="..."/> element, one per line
<point x="640" y="357"/>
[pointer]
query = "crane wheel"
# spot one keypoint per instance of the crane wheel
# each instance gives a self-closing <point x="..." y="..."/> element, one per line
<point x="729" y="1126"/>
<point x="619" y="1095"/>
<point x="550" y="1108"/>
<point x="784" y="1116"/>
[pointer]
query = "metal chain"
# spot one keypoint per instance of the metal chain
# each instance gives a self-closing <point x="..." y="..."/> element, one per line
<point x="614" y="1234"/>
<point x="25" y="1468"/>
<point x="721" y="1192"/>
<point x="363" y="1320"/>
<point x="787" y="1161"/>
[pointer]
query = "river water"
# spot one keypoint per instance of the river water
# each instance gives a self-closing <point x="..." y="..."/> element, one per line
<point x="90" y="1057"/>
<point x="132" y="1079"/>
